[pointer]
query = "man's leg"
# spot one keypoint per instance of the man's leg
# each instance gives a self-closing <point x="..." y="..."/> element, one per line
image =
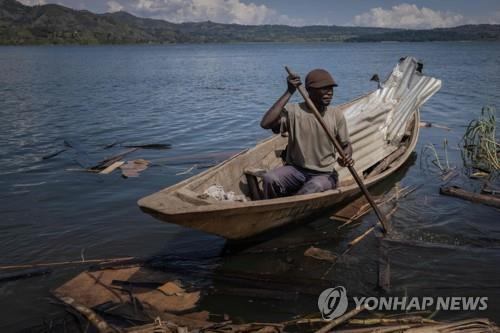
<point x="319" y="183"/>
<point x="282" y="181"/>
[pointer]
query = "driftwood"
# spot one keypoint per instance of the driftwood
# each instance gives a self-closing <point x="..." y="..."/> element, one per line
<point x="386" y="321"/>
<point x="61" y="263"/>
<point x="490" y="191"/>
<point x="383" y="329"/>
<point x="360" y="207"/>
<point x="46" y="157"/>
<point x="100" y="324"/>
<point x="449" y="174"/>
<point x="23" y="274"/>
<point x="112" y="168"/>
<point x="427" y="124"/>
<point x="151" y="146"/>
<point x="320" y="254"/>
<point x="340" y="320"/>
<point x="132" y="168"/>
<point x="456" y="191"/>
<point x="355" y="241"/>
<point x="110" y="160"/>
<point x="305" y="286"/>
<point x="469" y="325"/>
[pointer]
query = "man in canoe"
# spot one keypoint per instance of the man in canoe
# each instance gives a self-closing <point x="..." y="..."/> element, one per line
<point x="310" y="156"/>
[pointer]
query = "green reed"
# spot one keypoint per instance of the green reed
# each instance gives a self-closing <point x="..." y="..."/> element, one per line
<point x="480" y="147"/>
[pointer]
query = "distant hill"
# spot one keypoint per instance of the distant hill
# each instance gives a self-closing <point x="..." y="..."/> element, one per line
<point x="481" y="32"/>
<point x="55" y="24"/>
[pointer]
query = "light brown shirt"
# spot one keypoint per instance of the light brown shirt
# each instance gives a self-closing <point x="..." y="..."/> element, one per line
<point x="308" y="144"/>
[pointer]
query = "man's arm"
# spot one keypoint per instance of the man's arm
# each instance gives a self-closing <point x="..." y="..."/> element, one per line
<point x="343" y="138"/>
<point x="347" y="148"/>
<point x="272" y="116"/>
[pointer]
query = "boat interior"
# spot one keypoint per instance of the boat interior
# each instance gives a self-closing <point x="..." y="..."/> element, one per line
<point x="242" y="174"/>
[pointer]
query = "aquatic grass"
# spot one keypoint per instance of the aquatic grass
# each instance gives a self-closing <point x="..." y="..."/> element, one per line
<point x="480" y="147"/>
<point x="437" y="161"/>
<point x="445" y="147"/>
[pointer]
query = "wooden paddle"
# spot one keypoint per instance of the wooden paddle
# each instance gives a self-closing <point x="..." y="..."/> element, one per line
<point x="340" y="151"/>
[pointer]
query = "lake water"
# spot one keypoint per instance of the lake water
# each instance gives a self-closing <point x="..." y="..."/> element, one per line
<point x="205" y="99"/>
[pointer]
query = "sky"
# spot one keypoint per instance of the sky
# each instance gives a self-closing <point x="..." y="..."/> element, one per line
<point x="417" y="14"/>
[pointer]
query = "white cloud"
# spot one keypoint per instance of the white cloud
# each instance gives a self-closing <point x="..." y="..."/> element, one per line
<point x="494" y="18"/>
<point x="32" y="2"/>
<point x="114" y="6"/>
<point x="408" y="16"/>
<point x="222" y="11"/>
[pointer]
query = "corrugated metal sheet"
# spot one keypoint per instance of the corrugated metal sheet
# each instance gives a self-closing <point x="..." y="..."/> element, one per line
<point x="377" y="121"/>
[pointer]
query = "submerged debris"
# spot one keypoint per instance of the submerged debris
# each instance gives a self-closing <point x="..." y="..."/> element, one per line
<point x="132" y="168"/>
<point x="112" y="168"/>
<point x="151" y="146"/>
<point x="427" y="124"/>
<point x="23" y="274"/>
<point x="455" y="191"/>
<point x="46" y="157"/>
<point x="360" y="207"/>
<point x="320" y="254"/>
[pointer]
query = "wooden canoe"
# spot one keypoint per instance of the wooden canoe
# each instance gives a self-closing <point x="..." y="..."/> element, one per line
<point x="383" y="136"/>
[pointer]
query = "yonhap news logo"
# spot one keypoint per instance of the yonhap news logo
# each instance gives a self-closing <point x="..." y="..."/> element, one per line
<point x="333" y="302"/>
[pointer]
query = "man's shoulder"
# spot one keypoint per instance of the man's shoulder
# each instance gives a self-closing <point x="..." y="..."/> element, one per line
<point x="295" y="107"/>
<point x="335" y="110"/>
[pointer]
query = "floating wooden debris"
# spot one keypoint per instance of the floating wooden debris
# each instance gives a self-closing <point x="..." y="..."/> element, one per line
<point x="112" y="168"/>
<point x="23" y="274"/>
<point x="449" y="174"/>
<point x="188" y="170"/>
<point x="46" y="157"/>
<point x="132" y="168"/>
<point x="110" y="160"/>
<point x="341" y="319"/>
<point x="427" y="124"/>
<point x="360" y="206"/>
<point x="458" y="192"/>
<point x="73" y="262"/>
<point x="151" y="146"/>
<point x="149" y="301"/>
<point x="94" y="288"/>
<point x="320" y="254"/>
<point x="487" y="189"/>
<point x="96" y="320"/>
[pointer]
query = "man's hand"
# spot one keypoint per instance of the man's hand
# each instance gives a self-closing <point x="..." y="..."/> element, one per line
<point x="348" y="154"/>
<point x="293" y="81"/>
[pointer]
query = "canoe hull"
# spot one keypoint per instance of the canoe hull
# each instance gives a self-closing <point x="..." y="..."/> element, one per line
<point x="237" y="221"/>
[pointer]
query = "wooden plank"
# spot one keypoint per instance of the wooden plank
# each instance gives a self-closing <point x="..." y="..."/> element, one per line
<point x="355" y="208"/>
<point x="22" y="274"/>
<point x="458" y="192"/>
<point x="112" y="168"/>
<point x="115" y="158"/>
